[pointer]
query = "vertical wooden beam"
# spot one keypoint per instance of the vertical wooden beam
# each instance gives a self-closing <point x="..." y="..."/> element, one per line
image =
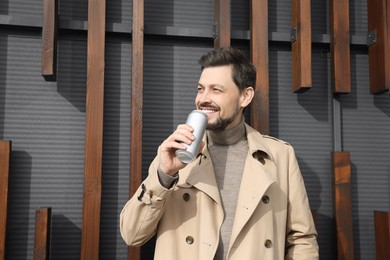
<point x="42" y="234"/>
<point x="49" y="39"/>
<point x="5" y="157"/>
<point x="301" y="45"/>
<point x="94" y="130"/>
<point x="342" y="204"/>
<point x="339" y="46"/>
<point x="137" y="82"/>
<point x="382" y="234"/>
<point x="379" y="45"/>
<point x="259" y="56"/>
<point x="222" y="23"/>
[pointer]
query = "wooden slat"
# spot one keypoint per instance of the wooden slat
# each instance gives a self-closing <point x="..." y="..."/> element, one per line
<point x="379" y="50"/>
<point x="49" y="39"/>
<point x="137" y="71"/>
<point x="339" y="46"/>
<point x="259" y="112"/>
<point x="382" y="235"/>
<point x="301" y="46"/>
<point x="5" y="156"/>
<point x="222" y="23"/>
<point x="342" y="204"/>
<point x="94" y="130"/>
<point x="42" y="234"/>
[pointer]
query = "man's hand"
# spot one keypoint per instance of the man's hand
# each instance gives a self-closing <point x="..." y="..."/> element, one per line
<point x="169" y="163"/>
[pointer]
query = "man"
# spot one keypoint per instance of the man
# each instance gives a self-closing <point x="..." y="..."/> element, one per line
<point x="242" y="198"/>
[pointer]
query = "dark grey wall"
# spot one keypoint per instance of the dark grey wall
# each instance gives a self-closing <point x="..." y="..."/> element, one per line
<point x="45" y="120"/>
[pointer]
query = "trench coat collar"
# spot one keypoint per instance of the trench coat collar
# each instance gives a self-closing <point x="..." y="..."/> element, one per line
<point x="259" y="173"/>
<point x="201" y="175"/>
<point x="257" y="145"/>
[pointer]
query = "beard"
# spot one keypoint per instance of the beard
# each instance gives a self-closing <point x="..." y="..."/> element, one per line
<point x="221" y="123"/>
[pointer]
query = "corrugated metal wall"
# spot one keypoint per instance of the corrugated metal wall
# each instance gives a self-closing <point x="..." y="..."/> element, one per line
<point x="46" y="120"/>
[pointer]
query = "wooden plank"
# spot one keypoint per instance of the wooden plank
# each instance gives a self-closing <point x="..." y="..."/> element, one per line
<point x="379" y="45"/>
<point x="49" y="39"/>
<point x="301" y="46"/>
<point x="94" y="130"/>
<point x="137" y="72"/>
<point x="259" y="110"/>
<point x="339" y="46"/>
<point x="222" y="23"/>
<point x="342" y="204"/>
<point x="382" y="234"/>
<point x="42" y="234"/>
<point x="5" y="157"/>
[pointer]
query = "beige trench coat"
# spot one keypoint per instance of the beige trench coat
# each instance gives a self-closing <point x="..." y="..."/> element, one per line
<point x="273" y="219"/>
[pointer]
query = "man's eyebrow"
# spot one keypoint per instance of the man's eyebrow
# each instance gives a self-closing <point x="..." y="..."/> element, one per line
<point x="211" y="85"/>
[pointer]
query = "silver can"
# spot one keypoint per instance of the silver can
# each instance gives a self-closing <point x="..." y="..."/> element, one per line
<point x="198" y="120"/>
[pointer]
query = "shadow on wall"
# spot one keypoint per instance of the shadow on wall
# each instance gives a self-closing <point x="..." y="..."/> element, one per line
<point x="325" y="224"/>
<point x="115" y="153"/>
<point x="382" y="103"/>
<point x="355" y="210"/>
<point x="72" y="69"/>
<point x="18" y="205"/>
<point x="65" y="239"/>
<point x="316" y="100"/>
<point x="3" y="64"/>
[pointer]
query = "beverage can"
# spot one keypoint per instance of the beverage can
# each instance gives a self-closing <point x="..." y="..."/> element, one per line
<point x="198" y="120"/>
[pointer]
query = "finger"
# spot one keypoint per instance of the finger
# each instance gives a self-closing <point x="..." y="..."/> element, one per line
<point x="182" y="135"/>
<point x="172" y="145"/>
<point x="185" y="126"/>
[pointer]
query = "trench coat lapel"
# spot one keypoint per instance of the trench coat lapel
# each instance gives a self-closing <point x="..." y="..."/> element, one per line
<point x="258" y="175"/>
<point x="202" y="177"/>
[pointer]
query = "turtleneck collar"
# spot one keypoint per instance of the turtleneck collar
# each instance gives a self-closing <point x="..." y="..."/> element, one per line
<point x="227" y="136"/>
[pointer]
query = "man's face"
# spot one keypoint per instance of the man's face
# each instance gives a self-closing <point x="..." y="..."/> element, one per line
<point x="219" y="97"/>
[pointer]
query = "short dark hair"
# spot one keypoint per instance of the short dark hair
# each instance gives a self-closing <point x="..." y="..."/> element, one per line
<point x="243" y="72"/>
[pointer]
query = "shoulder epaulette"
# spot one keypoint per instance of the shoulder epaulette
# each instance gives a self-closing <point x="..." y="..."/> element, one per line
<point x="276" y="139"/>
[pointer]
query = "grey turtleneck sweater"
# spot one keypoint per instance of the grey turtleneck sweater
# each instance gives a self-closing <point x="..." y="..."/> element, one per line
<point x="228" y="150"/>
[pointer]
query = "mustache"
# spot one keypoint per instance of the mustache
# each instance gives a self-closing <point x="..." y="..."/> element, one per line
<point x="207" y="105"/>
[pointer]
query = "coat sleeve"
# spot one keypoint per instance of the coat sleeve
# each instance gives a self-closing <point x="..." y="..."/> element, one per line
<point x="140" y="216"/>
<point x="301" y="241"/>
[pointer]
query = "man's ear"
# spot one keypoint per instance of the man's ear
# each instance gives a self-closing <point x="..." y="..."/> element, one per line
<point x="247" y="96"/>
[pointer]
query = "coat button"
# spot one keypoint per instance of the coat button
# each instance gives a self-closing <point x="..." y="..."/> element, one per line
<point x="268" y="243"/>
<point x="190" y="240"/>
<point x="265" y="199"/>
<point x="186" y="196"/>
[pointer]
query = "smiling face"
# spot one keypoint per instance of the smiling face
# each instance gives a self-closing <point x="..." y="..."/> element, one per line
<point x="219" y="97"/>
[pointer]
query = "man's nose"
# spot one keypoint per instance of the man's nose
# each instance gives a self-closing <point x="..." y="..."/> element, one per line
<point x="204" y="97"/>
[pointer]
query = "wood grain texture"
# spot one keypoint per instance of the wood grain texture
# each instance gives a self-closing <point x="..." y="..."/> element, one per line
<point x="222" y="23"/>
<point x="5" y="157"/>
<point x="259" y="110"/>
<point x="42" y="234"/>
<point x="342" y="203"/>
<point x="379" y="52"/>
<point x="339" y="46"/>
<point x="382" y="234"/>
<point x="93" y="130"/>
<point x="49" y="39"/>
<point x="301" y="47"/>
<point x="137" y="73"/>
